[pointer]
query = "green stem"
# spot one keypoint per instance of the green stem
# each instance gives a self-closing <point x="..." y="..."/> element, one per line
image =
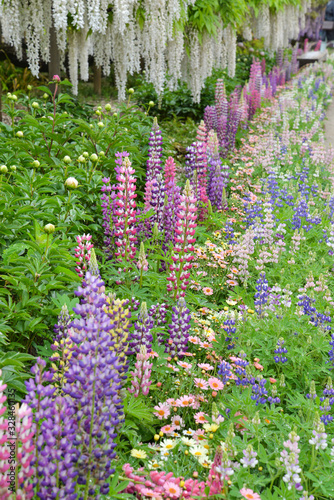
<point x="47" y="246"/>
<point x="32" y="181"/>
<point x="141" y="278"/>
<point x="68" y="204"/>
<point x="314" y="456"/>
<point x="12" y="106"/>
<point x="92" y="173"/>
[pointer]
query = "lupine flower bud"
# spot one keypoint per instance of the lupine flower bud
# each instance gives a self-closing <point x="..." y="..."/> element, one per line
<point x="155" y="232"/>
<point x="142" y="261"/>
<point x="93" y="265"/>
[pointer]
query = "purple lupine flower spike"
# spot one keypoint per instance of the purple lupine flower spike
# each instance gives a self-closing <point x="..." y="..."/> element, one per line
<point x="142" y="332"/>
<point x="178" y="329"/>
<point x="154" y="164"/>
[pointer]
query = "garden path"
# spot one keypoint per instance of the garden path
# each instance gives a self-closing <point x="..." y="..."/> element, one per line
<point x="329" y="126"/>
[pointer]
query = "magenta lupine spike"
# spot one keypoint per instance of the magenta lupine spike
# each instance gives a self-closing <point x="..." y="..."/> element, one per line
<point x="154" y="166"/>
<point x="216" y="479"/>
<point x="202" y="133"/>
<point x="170" y="169"/>
<point x="201" y="167"/>
<point x="125" y="208"/>
<point x="148" y="194"/>
<point x="263" y="66"/>
<point x="82" y="253"/>
<point x="182" y="256"/>
<point x="16" y="441"/>
<point x="141" y="375"/>
<point x="5" y="493"/>
<point x="172" y="201"/>
<point x="25" y="451"/>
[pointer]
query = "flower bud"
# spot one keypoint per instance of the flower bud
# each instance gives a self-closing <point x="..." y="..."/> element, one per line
<point x="36" y="164"/>
<point x="49" y="228"/>
<point x="56" y="78"/>
<point x="100" y="124"/>
<point x="19" y="133"/>
<point x="98" y="112"/>
<point x="45" y="96"/>
<point x="107" y="107"/>
<point x="94" y="157"/>
<point x="35" y="105"/>
<point x="67" y="159"/>
<point x="13" y="168"/>
<point x="29" y="87"/>
<point x="85" y="154"/>
<point x="81" y="159"/>
<point x="3" y="169"/>
<point x="131" y="91"/>
<point x="115" y="114"/>
<point x="101" y="153"/>
<point x="151" y="104"/>
<point x="14" y="97"/>
<point x="71" y="183"/>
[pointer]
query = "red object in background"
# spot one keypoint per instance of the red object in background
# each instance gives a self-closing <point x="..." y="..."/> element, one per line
<point x="318" y="46"/>
<point x="305" y="45"/>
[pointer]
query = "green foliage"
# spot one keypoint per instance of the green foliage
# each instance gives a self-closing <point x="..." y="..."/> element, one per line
<point x="36" y="268"/>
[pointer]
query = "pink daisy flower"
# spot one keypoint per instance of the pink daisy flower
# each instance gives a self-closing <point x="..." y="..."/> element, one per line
<point x="205" y="345"/>
<point x="205" y="366"/>
<point x="199" y="435"/>
<point x="168" y="429"/>
<point x="172" y="489"/>
<point x="186" y="366"/>
<point x="201" y="384"/>
<point x="177" y="422"/>
<point x="200" y="417"/>
<point x="194" y="340"/>
<point x="215" y="383"/>
<point x="249" y="494"/>
<point x="207" y="290"/>
<point x="184" y="402"/>
<point x="171" y="402"/>
<point x="195" y="401"/>
<point x="162" y="411"/>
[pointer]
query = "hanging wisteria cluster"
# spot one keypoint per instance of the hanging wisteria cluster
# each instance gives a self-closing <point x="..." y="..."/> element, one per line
<point x="124" y="31"/>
